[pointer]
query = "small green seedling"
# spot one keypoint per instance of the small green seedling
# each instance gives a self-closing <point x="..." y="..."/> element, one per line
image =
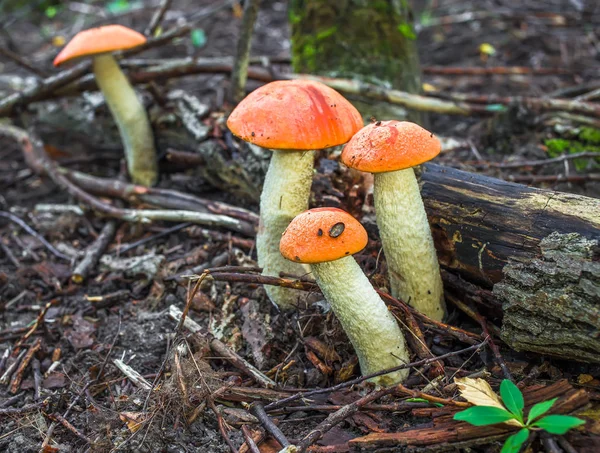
<point x="513" y="414"/>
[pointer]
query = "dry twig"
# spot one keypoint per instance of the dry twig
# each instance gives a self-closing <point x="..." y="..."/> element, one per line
<point x="239" y="73"/>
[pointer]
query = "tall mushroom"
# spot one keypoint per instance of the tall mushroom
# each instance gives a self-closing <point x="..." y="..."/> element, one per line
<point x="291" y="118"/>
<point x="126" y="108"/>
<point x="390" y="149"/>
<point x="326" y="238"/>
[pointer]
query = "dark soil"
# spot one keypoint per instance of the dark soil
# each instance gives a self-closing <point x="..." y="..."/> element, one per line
<point x="123" y="315"/>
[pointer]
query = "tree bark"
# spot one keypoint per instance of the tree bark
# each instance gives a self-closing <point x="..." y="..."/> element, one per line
<point x="480" y="224"/>
<point x="371" y="41"/>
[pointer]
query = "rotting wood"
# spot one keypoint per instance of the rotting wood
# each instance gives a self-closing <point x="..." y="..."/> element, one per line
<point x="479" y="223"/>
<point x="447" y="433"/>
<point x="552" y="303"/>
<point x="537" y="248"/>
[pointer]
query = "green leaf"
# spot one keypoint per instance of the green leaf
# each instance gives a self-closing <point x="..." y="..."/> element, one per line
<point x="540" y="409"/>
<point x="512" y="398"/>
<point x="484" y="415"/>
<point x="558" y="424"/>
<point x="198" y="37"/>
<point x="117" y="6"/>
<point x="418" y="400"/>
<point x="513" y="443"/>
<point x="407" y="31"/>
<point x="495" y="108"/>
<point x="51" y="11"/>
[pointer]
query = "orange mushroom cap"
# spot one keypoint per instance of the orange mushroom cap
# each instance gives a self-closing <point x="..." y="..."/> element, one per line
<point x="295" y="115"/>
<point x="322" y="234"/>
<point x="99" y="40"/>
<point x="390" y="146"/>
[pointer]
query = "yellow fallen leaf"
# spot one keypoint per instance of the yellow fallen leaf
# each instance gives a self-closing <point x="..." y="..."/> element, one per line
<point x="584" y="378"/>
<point x="134" y="420"/>
<point x="58" y="41"/>
<point x="478" y="392"/>
<point x="487" y="49"/>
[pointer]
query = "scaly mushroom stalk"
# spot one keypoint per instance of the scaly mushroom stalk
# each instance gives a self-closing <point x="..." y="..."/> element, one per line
<point x="326" y="238"/>
<point x="371" y="328"/>
<point x="407" y="243"/>
<point x="131" y="118"/>
<point x="285" y="195"/>
<point x="390" y="149"/>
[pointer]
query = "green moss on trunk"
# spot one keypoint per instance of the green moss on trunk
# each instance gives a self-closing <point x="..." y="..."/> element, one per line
<point x="369" y="39"/>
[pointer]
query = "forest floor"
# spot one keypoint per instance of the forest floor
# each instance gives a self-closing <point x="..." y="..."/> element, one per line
<point x="70" y="395"/>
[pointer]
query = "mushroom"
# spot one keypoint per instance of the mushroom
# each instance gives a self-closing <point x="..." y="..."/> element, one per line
<point x="126" y="108"/>
<point x="326" y="238"/>
<point x="390" y="149"/>
<point x="292" y="118"/>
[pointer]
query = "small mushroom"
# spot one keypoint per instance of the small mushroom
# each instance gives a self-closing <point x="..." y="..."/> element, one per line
<point x="390" y="149"/>
<point x="372" y="330"/>
<point x="128" y="111"/>
<point x="292" y="118"/>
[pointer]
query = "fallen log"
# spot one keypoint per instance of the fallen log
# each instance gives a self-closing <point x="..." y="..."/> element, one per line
<point x="539" y="249"/>
<point x="481" y="223"/>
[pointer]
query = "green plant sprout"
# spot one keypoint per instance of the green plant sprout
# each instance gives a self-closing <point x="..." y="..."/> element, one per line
<point x="513" y="414"/>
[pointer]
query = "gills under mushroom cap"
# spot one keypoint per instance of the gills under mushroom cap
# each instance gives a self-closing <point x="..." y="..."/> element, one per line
<point x="99" y="40"/>
<point x="390" y="146"/>
<point x="295" y="115"/>
<point x="322" y="234"/>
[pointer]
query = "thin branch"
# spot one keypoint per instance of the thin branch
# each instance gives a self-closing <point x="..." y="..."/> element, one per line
<point x="542" y="162"/>
<point x="13" y="218"/>
<point x="22" y="62"/>
<point x="491" y="70"/>
<point x="239" y="74"/>
<point x="37" y="159"/>
<point x="339" y="416"/>
<point x="157" y="17"/>
<point x="94" y="252"/>
<point x="258" y="410"/>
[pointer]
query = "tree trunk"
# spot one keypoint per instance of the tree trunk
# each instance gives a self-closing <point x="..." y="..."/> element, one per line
<point x="373" y="41"/>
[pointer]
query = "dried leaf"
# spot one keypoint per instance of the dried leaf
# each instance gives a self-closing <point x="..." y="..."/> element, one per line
<point x="478" y="392"/>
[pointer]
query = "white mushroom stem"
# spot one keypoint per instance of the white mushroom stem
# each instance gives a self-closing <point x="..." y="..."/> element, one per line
<point x="131" y="118"/>
<point x="371" y="328"/>
<point x="413" y="266"/>
<point x="285" y="195"/>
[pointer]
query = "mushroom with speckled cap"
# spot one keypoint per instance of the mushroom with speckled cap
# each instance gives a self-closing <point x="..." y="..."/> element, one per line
<point x="390" y="149"/>
<point x="291" y="118"/>
<point x="126" y="108"/>
<point x="327" y="238"/>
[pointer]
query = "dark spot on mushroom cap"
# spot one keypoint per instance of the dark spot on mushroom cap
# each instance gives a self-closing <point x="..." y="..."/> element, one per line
<point x="431" y="135"/>
<point x="378" y="123"/>
<point x="320" y="232"/>
<point x="297" y="258"/>
<point x="347" y="253"/>
<point x="252" y="133"/>
<point x="428" y="292"/>
<point x="337" y="229"/>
